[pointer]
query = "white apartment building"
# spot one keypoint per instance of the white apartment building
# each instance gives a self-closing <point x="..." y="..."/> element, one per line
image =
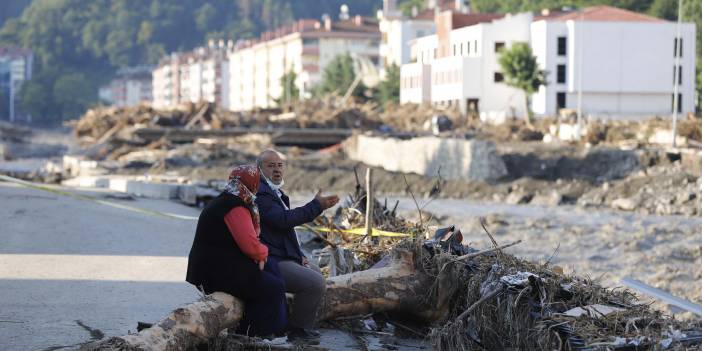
<point x="397" y="31"/>
<point x="15" y="69"/>
<point x="130" y="87"/>
<point x="626" y="61"/>
<point x="256" y="68"/>
<point x="192" y="77"/>
<point x="621" y="61"/>
<point x="458" y="65"/>
<point x="166" y="82"/>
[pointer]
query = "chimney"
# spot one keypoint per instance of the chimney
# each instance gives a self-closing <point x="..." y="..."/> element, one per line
<point x="326" y="19"/>
<point x="358" y="20"/>
<point x="211" y="43"/>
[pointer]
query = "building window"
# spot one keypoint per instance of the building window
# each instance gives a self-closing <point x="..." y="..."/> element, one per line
<point x="561" y="74"/>
<point x="468" y="48"/>
<point x="677" y="48"/>
<point x="461" y="48"/>
<point x="498" y="77"/>
<point x="672" y="102"/>
<point x="499" y="45"/>
<point x="475" y="45"/>
<point x="454" y="49"/>
<point x="561" y="46"/>
<point x="679" y="71"/>
<point x="560" y="101"/>
<point x="434" y="53"/>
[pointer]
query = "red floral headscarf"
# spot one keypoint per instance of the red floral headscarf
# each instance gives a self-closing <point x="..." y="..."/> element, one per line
<point x="243" y="183"/>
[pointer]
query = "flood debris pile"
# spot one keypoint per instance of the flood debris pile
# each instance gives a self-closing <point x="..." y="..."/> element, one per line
<point x="347" y="248"/>
<point x="638" y="133"/>
<point x="499" y="302"/>
<point x="662" y="190"/>
<point x="485" y="298"/>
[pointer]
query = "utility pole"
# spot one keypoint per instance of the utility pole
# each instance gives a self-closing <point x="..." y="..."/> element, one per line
<point x="676" y="74"/>
<point x="581" y="45"/>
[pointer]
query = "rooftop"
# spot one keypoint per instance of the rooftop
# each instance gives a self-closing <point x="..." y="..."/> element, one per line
<point x="607" y="14"/>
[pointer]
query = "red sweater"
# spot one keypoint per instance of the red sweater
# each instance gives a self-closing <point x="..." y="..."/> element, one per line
<point x="240" y="225"/>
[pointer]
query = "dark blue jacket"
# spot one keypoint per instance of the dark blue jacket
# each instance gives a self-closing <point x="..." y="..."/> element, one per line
<point x="278" y="224"/>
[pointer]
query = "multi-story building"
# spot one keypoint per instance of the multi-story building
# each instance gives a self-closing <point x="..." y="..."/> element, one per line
<point x="15" y="69"/>
<point x="458" y="65"/>
<point x="166" y="82"/>
<point x="130" y="87"/>
<point x="256" y="68"/>
<point x="625" y="60"/>
<point x="398" y="30"/>
<point x="192" y="77"/>
<point x="620" y="61"/>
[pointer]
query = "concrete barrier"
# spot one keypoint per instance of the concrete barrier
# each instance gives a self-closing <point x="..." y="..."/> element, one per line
<point x="77" y="166"/>
<point x="457" y="158"/>
<point x="133" y="185"/>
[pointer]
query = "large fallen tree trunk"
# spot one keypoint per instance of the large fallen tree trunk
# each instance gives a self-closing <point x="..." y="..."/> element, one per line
<point x="396" y="287"/>
<point x="183" y="329"/>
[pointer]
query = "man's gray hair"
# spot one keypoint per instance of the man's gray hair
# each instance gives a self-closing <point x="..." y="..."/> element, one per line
<point x="262" y="155"/>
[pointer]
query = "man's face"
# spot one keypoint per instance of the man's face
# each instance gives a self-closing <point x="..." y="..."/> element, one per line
<point x="273" y="167"/>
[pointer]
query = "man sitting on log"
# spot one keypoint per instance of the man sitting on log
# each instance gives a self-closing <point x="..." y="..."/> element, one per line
<point x="278" y="222"/>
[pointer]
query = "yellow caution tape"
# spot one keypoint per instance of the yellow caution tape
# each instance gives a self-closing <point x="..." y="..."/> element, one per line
<point x="362" y="231"/>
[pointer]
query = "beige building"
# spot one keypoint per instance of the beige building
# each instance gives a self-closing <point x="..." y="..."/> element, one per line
<point x="192" y="77"/>
<point x="256" y="68"/>
<point x="130" y="87"/>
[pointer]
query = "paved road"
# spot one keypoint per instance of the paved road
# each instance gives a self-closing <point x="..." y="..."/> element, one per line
<point x="73" y="270"/>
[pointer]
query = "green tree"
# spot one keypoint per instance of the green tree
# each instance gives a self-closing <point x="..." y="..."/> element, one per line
<point x="290" y="92"/>
<point x="389" y="89"/>
<point x="667" y="9"/>
<point x="521" y="71"/>
<point x="73" y="95"/>
<point x="339" y="75"/>
<point x="407" y="5"/>
<point x="36" y="99"/>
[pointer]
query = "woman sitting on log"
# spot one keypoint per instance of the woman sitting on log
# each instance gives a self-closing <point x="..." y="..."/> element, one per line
<point x="227" y="256"/>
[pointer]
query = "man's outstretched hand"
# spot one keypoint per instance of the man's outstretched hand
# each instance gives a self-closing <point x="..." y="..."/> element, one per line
<point x="326" y="201"/>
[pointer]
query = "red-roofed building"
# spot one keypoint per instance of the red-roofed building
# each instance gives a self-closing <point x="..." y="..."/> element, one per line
<point x="626" y="60"/>
<point x="620" y="61"/>
<point x="256" y="68"/>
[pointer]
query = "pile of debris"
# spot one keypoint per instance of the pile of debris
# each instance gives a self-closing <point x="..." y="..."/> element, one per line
<point x="633" y="133"/>
<point x="11" y="134"/>
<point x="662" y="190"/>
